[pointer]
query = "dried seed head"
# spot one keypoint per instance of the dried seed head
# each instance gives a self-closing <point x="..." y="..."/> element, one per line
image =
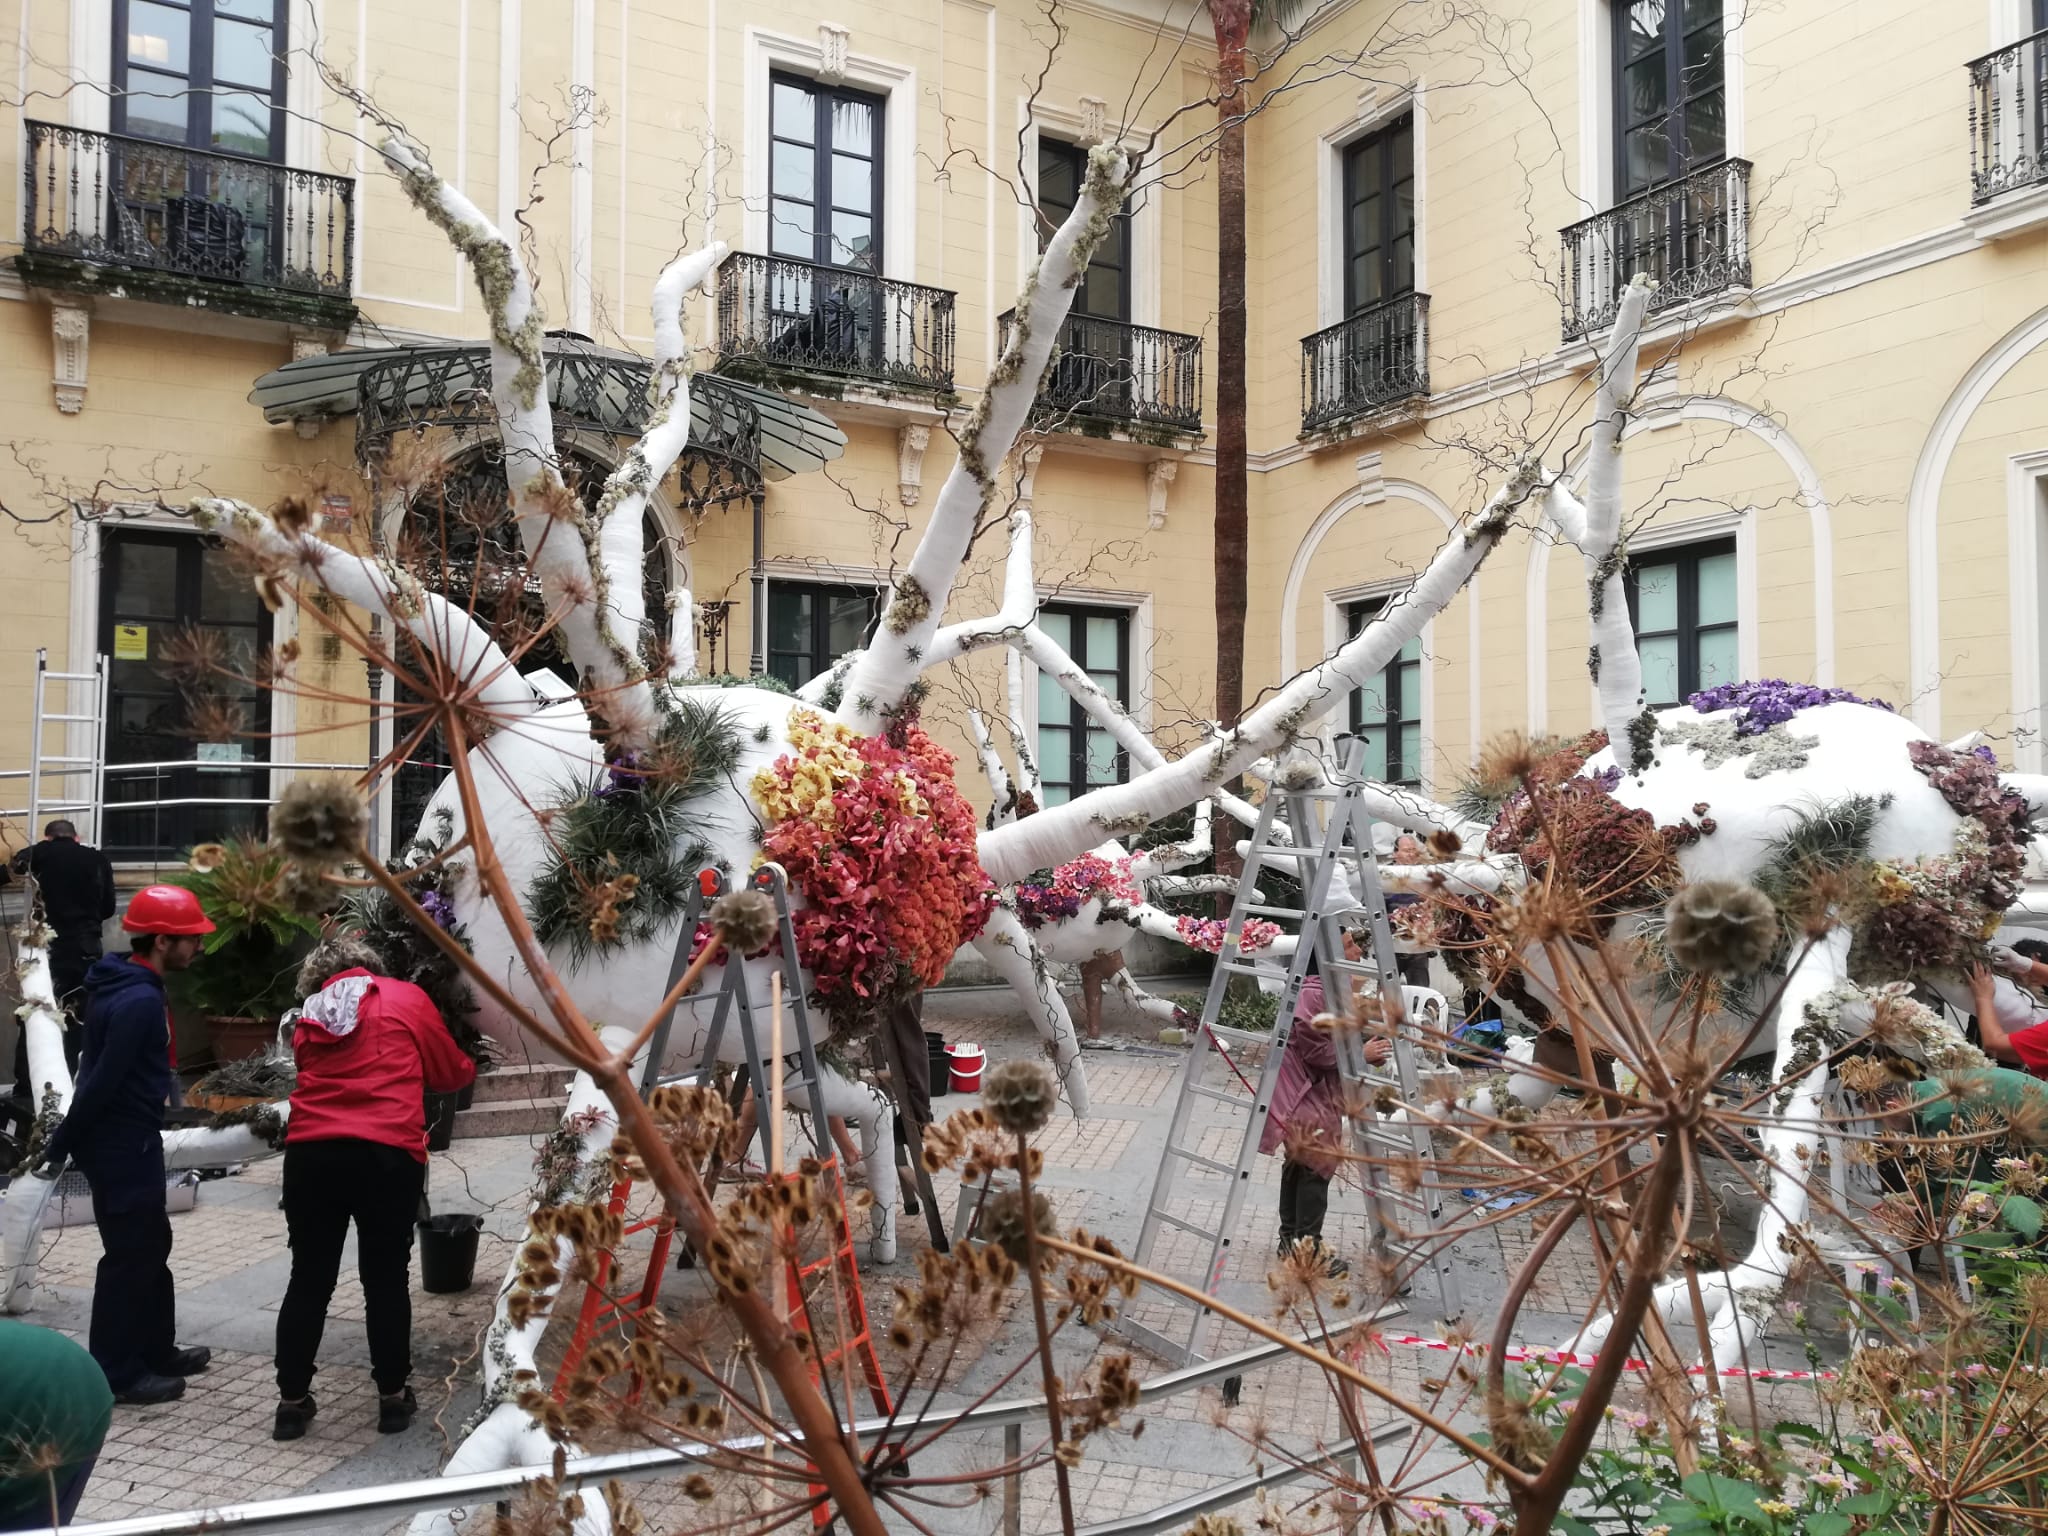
<point x="1721" y="928"/>
<point x="319" y="822"/>
<point x="745" y="921"/>
<point x="1003" y="1223"/>
<point x="1020" y="1095"/>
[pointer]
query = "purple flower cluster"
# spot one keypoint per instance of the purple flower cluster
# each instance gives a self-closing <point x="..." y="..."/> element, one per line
<point x="439" y="908"/>
<point x="1771" y="701"/>
<point x="1038" y="905"/>
<point x="627" y="773"/>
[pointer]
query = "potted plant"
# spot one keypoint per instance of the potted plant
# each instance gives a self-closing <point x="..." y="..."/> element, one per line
<point x="264" y="925"/>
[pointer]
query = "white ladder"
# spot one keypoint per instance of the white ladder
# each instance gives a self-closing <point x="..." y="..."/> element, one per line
<point x="1329" y="826"/>
<point x="65" y="765"/>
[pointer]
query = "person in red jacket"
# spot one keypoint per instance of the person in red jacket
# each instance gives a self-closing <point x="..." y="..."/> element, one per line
<point x="368" y="1049"/>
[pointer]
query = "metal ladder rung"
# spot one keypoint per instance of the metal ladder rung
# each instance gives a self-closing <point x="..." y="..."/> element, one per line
<point x="49" y="761"/>
<point x="69" y="720"/>
<point x="1260" y="911"/>
<point x="1220" y="1095"/>
<point x="1207" y="1162"/>
<point x="1187" y="1226"/>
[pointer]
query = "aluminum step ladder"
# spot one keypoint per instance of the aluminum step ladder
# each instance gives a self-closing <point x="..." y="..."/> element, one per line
<point x="1325" y="843"/>
<point x="734" y="996"/>
<point x="89" y="690"/>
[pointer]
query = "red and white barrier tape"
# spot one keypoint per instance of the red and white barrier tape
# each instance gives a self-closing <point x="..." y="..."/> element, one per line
<point x="1539" y="1355"/>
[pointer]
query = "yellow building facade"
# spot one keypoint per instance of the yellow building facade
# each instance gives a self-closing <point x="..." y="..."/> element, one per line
<point x="1835" y="472"/>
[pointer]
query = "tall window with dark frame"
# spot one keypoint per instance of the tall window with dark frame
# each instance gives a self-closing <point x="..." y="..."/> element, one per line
<point x="1670" y="91"/>
<point x="811" y="625"/>
<point x="183" y="629"/>
<point x="1387" y="713"/>
<point x="825" y="174"/>
<point x="1092" y="373"/>
<point x="204" y="73"/>
<point x="1075" y="754"/>
<point x="1682" y="606"/>
<point x="1379" y="216"/>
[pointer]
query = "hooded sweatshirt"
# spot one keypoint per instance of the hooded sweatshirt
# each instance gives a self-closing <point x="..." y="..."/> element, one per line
<point x="127" y="1063"/>
<point x="367" y="1048"/>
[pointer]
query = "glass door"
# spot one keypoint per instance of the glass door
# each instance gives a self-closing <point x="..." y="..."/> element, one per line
<point x="184" y="631"/>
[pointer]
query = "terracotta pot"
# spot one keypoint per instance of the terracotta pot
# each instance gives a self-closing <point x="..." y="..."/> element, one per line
<point x="235" y="1039"/>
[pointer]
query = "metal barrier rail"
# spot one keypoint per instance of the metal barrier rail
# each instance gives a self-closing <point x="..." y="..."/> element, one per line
<point x="112" y="806"/>
<point x="364" y="1508"/>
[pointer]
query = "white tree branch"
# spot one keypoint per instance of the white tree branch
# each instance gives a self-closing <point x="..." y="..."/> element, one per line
<point x="441" y="629"/>
<point x="560" y="542"/>
<point x="621" y="551"/>
<point x="1060" y="832"/>
<point x="1596" y="527"/>
<point x="991" y="762"/>
<point x="1019" y="607"/>
<point x="891" y="662"/>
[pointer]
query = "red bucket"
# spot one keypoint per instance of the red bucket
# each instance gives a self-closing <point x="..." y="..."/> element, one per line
<point x="967" y="1062"/>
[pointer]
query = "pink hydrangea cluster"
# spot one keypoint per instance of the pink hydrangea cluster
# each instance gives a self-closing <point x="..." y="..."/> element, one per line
<point x="1091" y="876"/>
<point x="1206" y="933"/>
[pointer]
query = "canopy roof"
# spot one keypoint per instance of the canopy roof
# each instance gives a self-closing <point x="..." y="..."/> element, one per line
<point x="756" y="433"/>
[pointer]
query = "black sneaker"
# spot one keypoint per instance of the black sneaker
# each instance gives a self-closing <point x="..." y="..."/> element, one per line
<point x="188" y="1361"/>
<point x="293" y="1415"/>
<point x="151" y="1388"/>
<point x="395" y="1411"/>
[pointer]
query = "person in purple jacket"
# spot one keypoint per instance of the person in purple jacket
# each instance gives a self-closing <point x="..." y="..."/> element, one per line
<point x="1308" y="1112"/>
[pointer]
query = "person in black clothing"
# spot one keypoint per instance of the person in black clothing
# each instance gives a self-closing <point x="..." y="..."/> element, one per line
<point x="114" y="1129"/>
<point x="76" y="884"/>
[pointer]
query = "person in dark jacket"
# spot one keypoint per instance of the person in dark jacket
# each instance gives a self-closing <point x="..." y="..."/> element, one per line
<point x="1307" y="1114"/>
<point x="114" y="1129"/>
<point x="369" y="1048"/>
<point x="76" y="884"/>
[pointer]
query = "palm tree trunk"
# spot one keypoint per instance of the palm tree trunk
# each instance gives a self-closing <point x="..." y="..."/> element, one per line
<point x="1233" y="542"/>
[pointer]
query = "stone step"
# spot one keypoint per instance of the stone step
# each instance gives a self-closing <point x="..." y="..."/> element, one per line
<point x="543" y="1081"/>
<point x="511" y="1117"/>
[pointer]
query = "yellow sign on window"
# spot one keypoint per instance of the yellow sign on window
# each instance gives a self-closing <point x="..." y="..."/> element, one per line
<point x="131" y="642"/>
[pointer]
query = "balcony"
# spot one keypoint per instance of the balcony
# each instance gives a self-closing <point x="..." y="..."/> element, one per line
<point x="1690" y="235"/>
<point x="783" y="316"/>
<point x="111" y="214"/>
<point x="1108" y="376"/>
<point x="1378" y="357"/>
<point x="2007" y="119"/>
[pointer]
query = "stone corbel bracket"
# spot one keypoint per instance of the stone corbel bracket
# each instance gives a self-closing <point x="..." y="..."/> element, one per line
<point x="912" y="438"/>
<point x="70" y="343"/>
<point x="1158" y="478"/>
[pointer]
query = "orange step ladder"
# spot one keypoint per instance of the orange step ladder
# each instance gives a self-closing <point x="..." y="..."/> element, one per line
<point x="602" y="1312"/>
<point x="855" y="1334"/>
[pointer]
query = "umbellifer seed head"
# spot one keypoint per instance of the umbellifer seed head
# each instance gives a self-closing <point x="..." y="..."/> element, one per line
<point x="745" y="921"/>
<point x="1721" y="928"/>
<point x="319" y="822"/>
<point x="1003" y="1222"/>
<point x="1020" y="1095"/>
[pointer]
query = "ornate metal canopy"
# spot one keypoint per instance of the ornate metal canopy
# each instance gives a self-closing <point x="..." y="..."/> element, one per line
<point x="740" y="434"/>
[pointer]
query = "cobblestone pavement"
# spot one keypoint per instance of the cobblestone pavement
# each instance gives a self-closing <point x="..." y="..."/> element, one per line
<point x="230" y="1259"/>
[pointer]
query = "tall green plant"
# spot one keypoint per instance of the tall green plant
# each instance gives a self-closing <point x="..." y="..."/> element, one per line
<point x="266" y="918"/>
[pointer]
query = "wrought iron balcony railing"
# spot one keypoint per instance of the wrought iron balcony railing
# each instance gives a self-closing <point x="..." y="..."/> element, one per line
<point x="1357" y="366"/>
<point x="2008" y="118"/>
<point x="834" y="320"/>
<point x="1113" y="373"/>
<point x="144" y="206"/>
<point x="1691" y="235"/>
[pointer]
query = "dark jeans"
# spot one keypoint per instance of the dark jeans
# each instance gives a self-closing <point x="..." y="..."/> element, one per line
<point x="328" y="1184"/>
<point x="134" y="1302"/>
<point x="1304" y="1198"/>
<point x="1414" y="969"/>
<point x="69" y="1492"/>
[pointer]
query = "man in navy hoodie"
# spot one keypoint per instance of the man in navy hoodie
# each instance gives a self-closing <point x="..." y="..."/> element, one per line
<point x="114" y="1130"/>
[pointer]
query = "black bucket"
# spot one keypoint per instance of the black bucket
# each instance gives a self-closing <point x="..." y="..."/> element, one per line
<point x="448" y="1252"/>
<point x="441" y="1109"/>
<point x="942" y="1069"/>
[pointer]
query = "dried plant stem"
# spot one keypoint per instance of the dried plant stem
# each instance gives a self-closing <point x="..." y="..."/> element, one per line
<point x="1492" y="1460"/>
<point x="1537" y="1501"/>
<point x="1032" y="1238"/>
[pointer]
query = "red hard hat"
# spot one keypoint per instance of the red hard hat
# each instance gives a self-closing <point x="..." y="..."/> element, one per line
<point x="165" y="909"/>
